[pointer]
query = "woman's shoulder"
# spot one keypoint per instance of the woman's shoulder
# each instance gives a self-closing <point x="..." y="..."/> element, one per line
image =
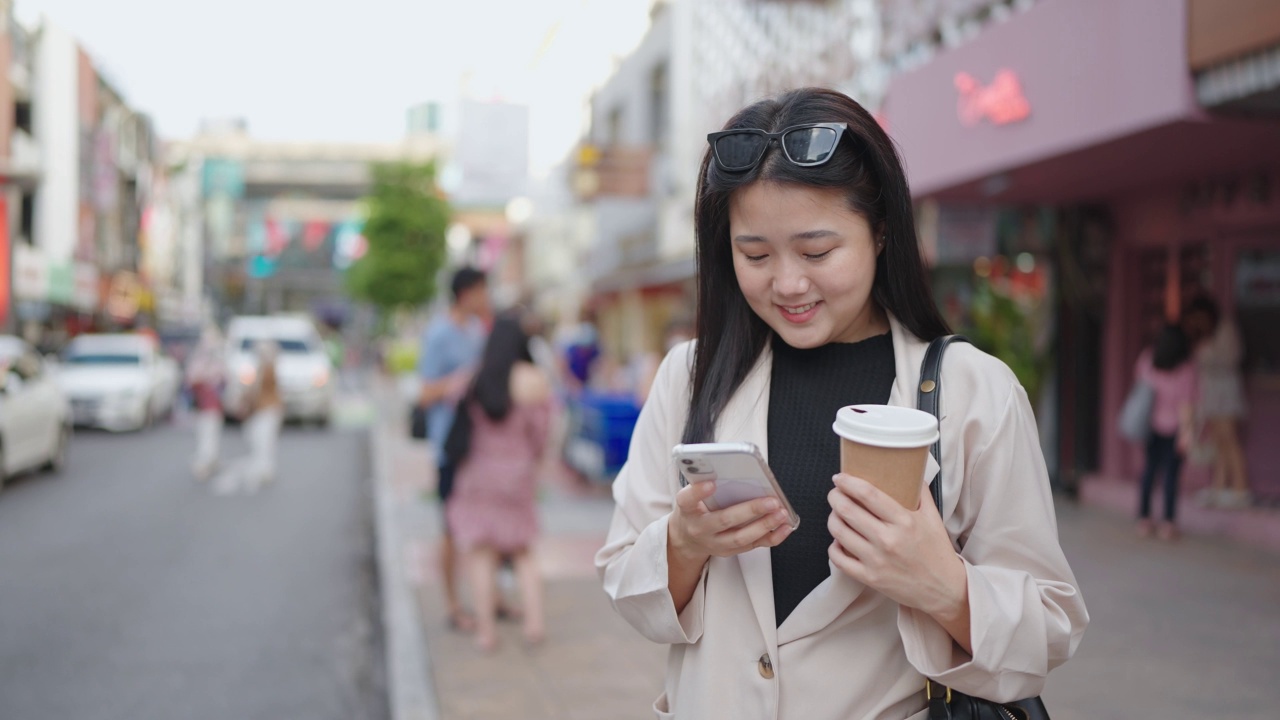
<point x="978" y="370"/>
<point x="529" y="384"/>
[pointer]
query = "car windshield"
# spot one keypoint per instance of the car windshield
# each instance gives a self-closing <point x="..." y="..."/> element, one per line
<point x="102" y="358"/>
<point x="286" y="345"/>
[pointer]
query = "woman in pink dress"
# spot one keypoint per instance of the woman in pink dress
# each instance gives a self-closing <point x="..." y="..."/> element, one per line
<point x="492" y="510"/>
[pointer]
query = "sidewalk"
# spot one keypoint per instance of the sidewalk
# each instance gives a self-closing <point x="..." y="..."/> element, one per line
<point x="1183" y="630"/>
<point x="593" y="665"/>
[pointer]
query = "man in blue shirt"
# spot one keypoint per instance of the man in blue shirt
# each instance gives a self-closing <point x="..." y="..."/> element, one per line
<point x="451" y="348"/>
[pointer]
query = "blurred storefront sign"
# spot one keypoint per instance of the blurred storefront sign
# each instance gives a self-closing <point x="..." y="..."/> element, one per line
<point x="30" y="274"/>
<point x="61" y="283"/>
<point x="124" y="296"/>
<point x="1035" y="59"/>
<point x="1000" y="103"/>
<point x="222" y="176"/>
<point x="87" y="287"/>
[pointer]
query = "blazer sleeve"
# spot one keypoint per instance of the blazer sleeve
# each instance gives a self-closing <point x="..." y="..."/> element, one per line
<point x="633" y="561"/>
<point x="1027" y="614"/>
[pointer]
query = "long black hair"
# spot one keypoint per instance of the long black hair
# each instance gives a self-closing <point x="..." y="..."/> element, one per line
<point x="866" y="166"/>
<point x="508" y="344"/>
<point x="1171" y="348"/>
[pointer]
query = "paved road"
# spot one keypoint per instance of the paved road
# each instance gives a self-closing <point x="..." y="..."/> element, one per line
<point x="131" y="592"/>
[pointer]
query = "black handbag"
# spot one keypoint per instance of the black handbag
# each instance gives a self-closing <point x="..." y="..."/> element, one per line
<point x="418" y="422"/>
<point x="945" y="703"/>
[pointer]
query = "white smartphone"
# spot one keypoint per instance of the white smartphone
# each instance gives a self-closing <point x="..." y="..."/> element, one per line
<point x="739" y="470"/>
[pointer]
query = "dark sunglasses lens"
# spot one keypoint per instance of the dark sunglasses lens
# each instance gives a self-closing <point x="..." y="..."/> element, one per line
<point x="809" y="146"/>
<point x="739" y="150"/>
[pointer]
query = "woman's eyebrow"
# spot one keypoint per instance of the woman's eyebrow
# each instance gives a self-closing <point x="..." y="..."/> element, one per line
<point x="806" y="235"/>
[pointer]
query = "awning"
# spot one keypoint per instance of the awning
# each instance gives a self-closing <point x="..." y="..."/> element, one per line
<point x="639" y="277"/>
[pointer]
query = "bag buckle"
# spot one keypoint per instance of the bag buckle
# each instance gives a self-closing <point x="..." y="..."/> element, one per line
<point x="928" y="691"/>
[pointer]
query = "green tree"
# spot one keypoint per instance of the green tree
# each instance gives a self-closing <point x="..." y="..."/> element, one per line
<point x="405" y="228"/>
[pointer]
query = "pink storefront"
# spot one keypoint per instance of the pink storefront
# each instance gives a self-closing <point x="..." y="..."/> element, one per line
<point x="1145" y="136"/>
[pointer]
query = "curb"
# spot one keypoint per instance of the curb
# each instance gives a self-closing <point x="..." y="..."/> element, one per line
<point x="410" y="692"/>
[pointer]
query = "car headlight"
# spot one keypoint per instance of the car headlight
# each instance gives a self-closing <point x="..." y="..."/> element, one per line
<point x="321" y="379"/>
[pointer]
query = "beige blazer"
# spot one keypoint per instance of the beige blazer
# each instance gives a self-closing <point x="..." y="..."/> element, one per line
<point x="847" y="651"/>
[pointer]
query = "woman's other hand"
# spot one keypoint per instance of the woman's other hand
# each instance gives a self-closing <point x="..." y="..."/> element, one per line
<point x="904" y="554"/>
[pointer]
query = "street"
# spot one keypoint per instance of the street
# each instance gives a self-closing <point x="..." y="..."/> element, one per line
<point x="131" y="591"/>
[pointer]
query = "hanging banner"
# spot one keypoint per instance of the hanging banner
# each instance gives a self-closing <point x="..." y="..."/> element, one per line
<point x="314" y="233"/>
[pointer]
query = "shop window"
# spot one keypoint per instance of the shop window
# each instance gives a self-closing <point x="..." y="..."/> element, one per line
<point x="22" y="116"/>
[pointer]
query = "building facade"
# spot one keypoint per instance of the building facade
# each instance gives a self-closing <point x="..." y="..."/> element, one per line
<point x="1110" y="160"/>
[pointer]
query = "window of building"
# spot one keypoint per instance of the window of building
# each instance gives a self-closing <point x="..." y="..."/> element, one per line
<point x="26" y="217"/>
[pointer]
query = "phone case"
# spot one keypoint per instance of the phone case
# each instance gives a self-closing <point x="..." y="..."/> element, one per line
<point x="739" y="470"/>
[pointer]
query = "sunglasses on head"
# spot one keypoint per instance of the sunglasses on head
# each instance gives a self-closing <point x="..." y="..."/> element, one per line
<point x="804" y="145"/>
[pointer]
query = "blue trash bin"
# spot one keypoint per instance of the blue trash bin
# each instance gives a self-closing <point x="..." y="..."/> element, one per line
<point x="608" y="420"/>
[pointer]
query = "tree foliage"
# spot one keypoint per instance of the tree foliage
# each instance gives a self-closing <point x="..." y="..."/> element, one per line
<point x="405" y="230"/>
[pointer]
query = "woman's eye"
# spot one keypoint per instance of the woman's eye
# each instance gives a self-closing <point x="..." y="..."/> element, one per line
<point x="816" y="256"/>
<point x="755" y="258"/>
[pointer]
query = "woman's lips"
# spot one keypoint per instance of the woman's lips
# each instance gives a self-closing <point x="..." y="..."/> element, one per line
<point x="805" y="312"/>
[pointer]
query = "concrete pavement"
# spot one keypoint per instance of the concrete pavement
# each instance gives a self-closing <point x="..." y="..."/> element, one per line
<point x="1183" y="630"/>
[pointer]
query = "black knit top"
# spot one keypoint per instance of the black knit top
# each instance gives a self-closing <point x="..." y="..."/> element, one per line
<point x="808" y="387"/>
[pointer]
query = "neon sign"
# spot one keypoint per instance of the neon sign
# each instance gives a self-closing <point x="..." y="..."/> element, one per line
<point x="1000" y="103"/>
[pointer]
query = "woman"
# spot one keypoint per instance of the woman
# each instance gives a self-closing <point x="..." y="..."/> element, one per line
<point x="491" y="510"/>
<point x="1221" y="406"/>
<point x="266" y="416"/>
<point x="812" y="295"/>
<point x="1167" y="369"/>
<point x="206" y="370"/>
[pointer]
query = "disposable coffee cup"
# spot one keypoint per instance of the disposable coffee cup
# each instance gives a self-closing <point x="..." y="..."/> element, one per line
<point x="886" y="446"/>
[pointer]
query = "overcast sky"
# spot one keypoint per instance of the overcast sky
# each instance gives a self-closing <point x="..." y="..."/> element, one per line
<point x="348" y="71"/>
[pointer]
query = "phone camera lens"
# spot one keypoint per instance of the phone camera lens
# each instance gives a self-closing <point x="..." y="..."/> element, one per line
<point x="687" y="462"/>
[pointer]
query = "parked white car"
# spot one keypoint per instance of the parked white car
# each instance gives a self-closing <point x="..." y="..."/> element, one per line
<point x="118" y="382"/>
<point x="303" y="369"/>
<point x="35" y="418"/>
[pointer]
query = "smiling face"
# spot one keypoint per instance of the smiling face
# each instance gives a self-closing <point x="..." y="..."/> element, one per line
<point x="805" y="263"/>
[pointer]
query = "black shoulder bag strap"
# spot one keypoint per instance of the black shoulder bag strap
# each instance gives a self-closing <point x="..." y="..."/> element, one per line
<point x="945" y="703"/>
<point x="929" y="399"/>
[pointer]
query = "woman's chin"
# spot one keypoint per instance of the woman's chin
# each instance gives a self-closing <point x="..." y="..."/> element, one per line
<point x="802" y="338"/>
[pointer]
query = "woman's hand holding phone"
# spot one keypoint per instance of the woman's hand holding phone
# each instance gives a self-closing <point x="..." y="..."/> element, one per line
<point x="698" y="533"/>
<point x="695" y="534"/>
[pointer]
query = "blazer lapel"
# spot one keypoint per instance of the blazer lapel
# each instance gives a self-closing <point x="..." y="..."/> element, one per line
<point x="746" y="417"/>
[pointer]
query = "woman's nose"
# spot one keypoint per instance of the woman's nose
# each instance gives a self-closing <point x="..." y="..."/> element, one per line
<point x="790" y="280"/>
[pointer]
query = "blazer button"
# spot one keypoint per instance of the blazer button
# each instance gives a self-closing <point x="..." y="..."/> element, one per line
<point x="766" y="667"/>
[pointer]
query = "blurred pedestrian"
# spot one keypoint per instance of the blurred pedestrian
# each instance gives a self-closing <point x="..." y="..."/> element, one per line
<point x="1166" y="368"/>
<point x="451" y="347"/>
<point x="813" y="295"/>
<point x="262" y="429"/>
<point x="502" y="428"/>
<point x="1221" y="406"/>
<point x="205" y="375"/>
<point x="262" y="416"/>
